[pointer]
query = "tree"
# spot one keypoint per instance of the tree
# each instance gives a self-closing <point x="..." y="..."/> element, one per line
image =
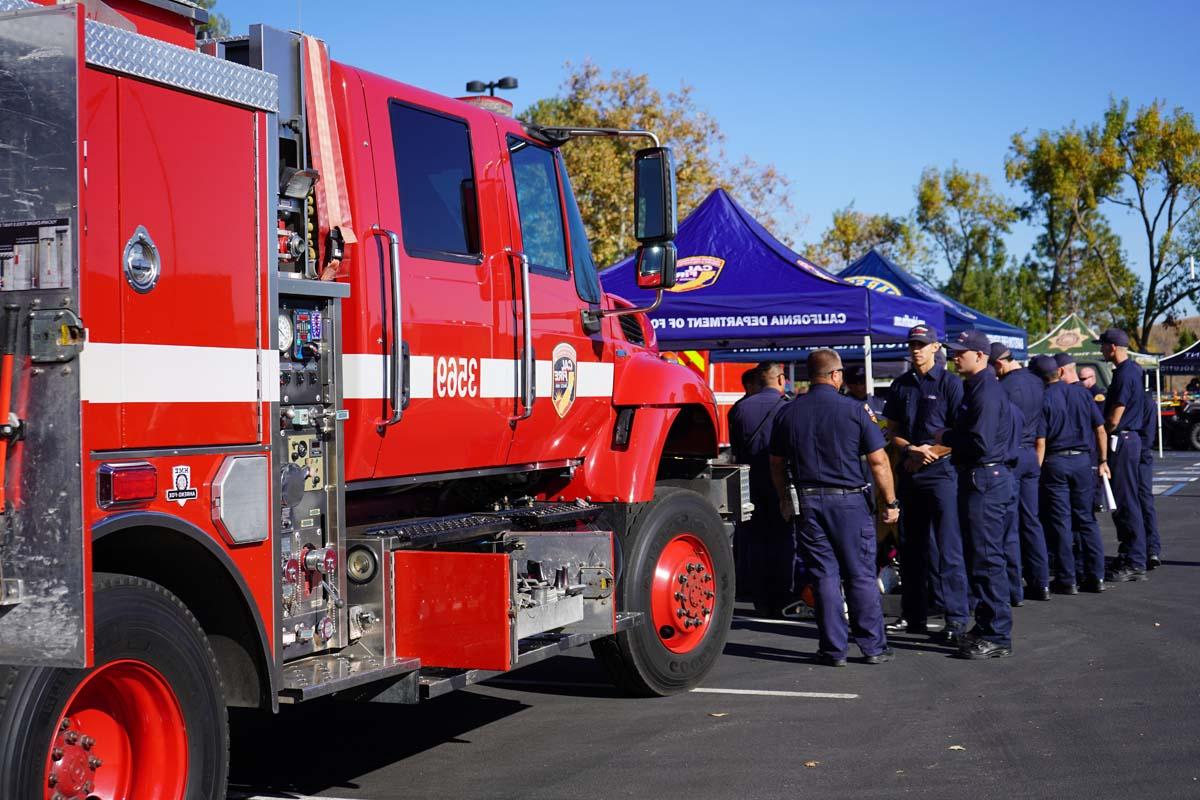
<point x="854" y="233"/>
<point x="1149" y="162"/>
<point x="1079" y="259"/>
<point x="217" y="25"/>
<point x="601" y="169"/>
<point x="966" y="222"/>
<point x="1187" y="338"/>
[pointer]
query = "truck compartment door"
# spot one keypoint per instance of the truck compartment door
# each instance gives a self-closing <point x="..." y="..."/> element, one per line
<point x="43" y="592"/>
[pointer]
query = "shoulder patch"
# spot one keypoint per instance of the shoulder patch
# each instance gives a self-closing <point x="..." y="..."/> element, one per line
<point x="1100" y="398"/>
<point x="870" y="413"/>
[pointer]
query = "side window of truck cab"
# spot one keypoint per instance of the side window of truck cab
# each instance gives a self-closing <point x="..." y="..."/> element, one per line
<point x="538" y="204"/>
<point x="436" y="181"/>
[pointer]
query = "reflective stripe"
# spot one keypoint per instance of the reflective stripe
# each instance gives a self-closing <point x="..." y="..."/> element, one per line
<point x="158" y="373"/>
<point x="363" y="377"/>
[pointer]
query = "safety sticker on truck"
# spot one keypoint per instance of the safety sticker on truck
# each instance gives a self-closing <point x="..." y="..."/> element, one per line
<point x="181" y="485"/>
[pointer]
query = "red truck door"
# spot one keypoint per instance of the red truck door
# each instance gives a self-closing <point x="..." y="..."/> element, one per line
<point x="438" y="183"/>
<point x="184" y="370"/>
<point x="573" y="368"/>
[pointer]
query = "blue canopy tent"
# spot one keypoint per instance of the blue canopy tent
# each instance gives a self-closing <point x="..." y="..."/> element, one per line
<point x="1185" y="362"/>
<point x="738" y="286"/>
<point x="878" y="273"/>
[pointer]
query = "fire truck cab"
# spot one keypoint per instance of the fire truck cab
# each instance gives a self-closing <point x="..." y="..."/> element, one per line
<point x="310" y="388"/>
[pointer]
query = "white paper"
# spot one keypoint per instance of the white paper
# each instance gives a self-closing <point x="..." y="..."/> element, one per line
<point x="1113" y="441"/>
<point x="1108" y="494"/>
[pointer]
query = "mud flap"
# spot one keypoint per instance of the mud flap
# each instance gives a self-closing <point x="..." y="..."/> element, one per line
<point x="43" y="614"/>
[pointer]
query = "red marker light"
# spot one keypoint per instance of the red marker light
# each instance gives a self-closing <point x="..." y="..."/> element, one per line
<point x="126" y="483"/>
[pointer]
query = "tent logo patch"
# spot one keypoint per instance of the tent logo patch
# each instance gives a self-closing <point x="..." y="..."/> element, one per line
<point x="1067" y="339"/>
<point x="696" y="272"/>
<point x="875" y="284"/>
<point x="564" y="378"/>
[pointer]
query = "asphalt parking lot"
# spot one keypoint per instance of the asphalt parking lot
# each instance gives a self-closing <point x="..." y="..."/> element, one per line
<point x="1100" y="699"/>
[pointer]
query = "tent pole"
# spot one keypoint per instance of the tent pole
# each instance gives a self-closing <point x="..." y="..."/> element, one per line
<point x="867" y="364"/>
<point x="1158" y="411"/>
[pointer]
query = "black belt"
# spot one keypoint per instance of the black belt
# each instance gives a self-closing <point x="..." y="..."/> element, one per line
<point x="988" y="464"/>
<point x="1068" y="452"/>
<point x="828" y="490"/>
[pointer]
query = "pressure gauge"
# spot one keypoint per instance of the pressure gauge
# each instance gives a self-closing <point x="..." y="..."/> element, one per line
<point x="286" y="334"/>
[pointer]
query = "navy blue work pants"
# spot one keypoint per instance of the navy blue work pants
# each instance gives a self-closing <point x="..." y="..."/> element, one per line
<point x="1012" y="543"/>
<point x="771" y="549"/>
<point x="1035" y="565"/>
<point x="931" y="545"/>
<point x="836" y="534"/>
<point x="1146" y="496"/>
<point x="983" y="494"/>
<point x="1125" y="464"/>
<point x="1068" y="512"/>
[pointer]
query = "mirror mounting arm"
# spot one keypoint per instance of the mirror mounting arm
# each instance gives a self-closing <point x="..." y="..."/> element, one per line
<point x="592" y="316"/>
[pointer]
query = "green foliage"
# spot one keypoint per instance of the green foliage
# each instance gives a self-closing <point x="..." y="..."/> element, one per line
<point x="601" y="169"/>
<point x="1187" y="338"/>
<point x="1079" y="260"/>
<point x="217" y="25"/>
<point x="966" y="222"/>
<point x="854" y="233"/>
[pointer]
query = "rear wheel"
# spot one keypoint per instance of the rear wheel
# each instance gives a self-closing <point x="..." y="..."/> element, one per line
<point x="1193" y="435"/>
<point x="679" y="573"/>
<point x="148" y="721"/>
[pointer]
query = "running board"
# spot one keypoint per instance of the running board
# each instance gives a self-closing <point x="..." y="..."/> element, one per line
<point x="326" y="673"/>
<point x="435" y="682"/>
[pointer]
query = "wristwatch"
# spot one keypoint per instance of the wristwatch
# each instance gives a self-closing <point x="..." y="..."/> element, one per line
<point x="894" y="504"/>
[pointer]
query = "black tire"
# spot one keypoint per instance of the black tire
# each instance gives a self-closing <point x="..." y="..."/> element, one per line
<point x="637" y="661"/>
<point x="134" y="619"/>
<point x="1193" y="435"/>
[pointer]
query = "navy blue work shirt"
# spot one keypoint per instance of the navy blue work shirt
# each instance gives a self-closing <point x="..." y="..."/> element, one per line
<point x="980" y="433"/>
<point x="1070" y="416"/>
<point x="822" y="434"/>
<point x="1127" y="390"/>
<point x="750" y="424"/>
<point x="1150" y="425"/>
<point x="1025" y="390"/>
<point x="921" y="405"/>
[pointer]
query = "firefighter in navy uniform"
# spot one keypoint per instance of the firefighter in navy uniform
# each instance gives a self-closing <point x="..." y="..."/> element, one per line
<point x="751" y="384"/>
<point x="1024" y="390"/>
<point x="980" y="438"/>
<point x="1074" y="430"/>
<point x="856" y="387"/>
<point x="770" y="546"/>
<point x="1146" y="483"/>
<point x="1124" y="419"/>
<point x="921" y="402"/>
<point x="820" y="436"/>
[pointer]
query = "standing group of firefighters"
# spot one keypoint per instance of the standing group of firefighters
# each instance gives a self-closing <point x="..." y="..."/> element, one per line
<point x="994" y="472"/>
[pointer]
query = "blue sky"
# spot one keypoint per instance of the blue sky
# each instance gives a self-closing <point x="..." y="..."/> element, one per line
<point x="849" y="99"/>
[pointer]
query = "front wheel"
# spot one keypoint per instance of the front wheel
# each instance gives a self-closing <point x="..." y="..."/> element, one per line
<point x="148" y="721"/>
<point x="1193" y="436"/>
<point x="679" y="573"/>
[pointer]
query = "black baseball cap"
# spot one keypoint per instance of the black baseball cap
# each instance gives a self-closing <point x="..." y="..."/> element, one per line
<point x="1114" y="336"/>
<point x="971" y="340"/>
<point x="856" y="374"/>
<point x="999" y="353"/>
<point x="923" y="334"/>
<point x="1043" y="365"/>
<point x="1064" y="359"/>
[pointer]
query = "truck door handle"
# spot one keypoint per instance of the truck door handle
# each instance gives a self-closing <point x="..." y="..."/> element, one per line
<point x="528" y="379"/>
<point x="397" y="389"/>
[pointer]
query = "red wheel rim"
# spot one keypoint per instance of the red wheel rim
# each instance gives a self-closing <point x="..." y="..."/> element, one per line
<point x="122" y="737"/>
<point x="684" y="595"/>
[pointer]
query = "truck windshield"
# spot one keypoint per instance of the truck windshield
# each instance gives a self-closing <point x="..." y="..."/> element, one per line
<point x="587" y="283"/>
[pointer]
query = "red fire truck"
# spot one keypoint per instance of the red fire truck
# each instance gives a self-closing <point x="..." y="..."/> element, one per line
<point x="309" y="388"/>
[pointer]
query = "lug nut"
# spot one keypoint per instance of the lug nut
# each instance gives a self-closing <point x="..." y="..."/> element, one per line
<point x="691" y="567"/>
<point x="87" y="742"/>
<point x="56" y="754"/>
<point x="679" y="612"/>
<point x="94" y="762"/>
<point x="683" y="578"/>
<point x="53" y="780"/>
<point x="71" y="737"/>
<point x="678" y="595"/>
<point x="87" y="787"/>
<point x="66" y="723"/>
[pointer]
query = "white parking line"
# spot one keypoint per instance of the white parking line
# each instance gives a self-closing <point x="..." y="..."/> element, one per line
<point x="778" y="693"/>
<point x="802" y="623"/>
<point x="286" y="796"/>
<point x="504" y="682"/>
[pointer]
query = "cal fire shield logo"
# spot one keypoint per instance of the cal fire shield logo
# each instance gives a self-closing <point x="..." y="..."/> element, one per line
<point x="564" y="378"/>
<point x="874" y="284"/>
<point x="696" y="272"/>
<point x="181" y="486"/>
